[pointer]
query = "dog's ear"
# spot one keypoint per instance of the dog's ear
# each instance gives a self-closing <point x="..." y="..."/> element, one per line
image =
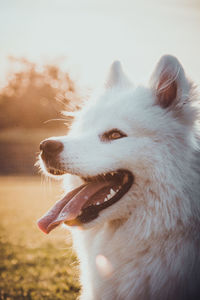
<point x="116" y="77"/>
<point x="169" y="83"/>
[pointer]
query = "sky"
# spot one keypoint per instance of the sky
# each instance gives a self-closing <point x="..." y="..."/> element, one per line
<point x="85" y="36"/>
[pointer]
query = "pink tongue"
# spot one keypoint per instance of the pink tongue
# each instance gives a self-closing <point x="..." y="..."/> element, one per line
<point x="70" y="206"/>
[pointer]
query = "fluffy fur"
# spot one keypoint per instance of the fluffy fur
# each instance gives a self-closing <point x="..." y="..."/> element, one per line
<point x="147" y="245"/>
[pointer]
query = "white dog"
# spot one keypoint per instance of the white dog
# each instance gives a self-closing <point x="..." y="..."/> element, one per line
<point x="134" y="210"/>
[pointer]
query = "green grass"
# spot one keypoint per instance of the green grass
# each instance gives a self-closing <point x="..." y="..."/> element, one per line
<point x="33" y="265"/>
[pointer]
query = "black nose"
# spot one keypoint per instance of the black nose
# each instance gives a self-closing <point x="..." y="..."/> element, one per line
<point x="51" y="147"/>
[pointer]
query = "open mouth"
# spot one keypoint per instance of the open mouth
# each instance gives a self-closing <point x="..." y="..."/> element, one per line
<point x="55" y="172"/>
<point x="84" y="203"/>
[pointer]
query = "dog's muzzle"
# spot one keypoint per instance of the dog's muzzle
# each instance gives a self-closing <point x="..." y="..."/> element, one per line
<point x="51" y="147"/>
<point x="50" y="150"/>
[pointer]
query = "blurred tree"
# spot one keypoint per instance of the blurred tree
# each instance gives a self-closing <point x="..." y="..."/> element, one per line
<point x="34" y="95"/>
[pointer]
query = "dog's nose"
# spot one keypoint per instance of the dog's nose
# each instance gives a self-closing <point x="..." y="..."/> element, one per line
<point x="51" y="147"/>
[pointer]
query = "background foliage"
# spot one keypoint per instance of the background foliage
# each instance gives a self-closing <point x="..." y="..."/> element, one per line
<point x="30" y="110"/>
<point x="35" y="94"/>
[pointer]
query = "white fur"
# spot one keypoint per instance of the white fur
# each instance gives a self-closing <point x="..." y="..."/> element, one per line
<point x="149" y="241"/>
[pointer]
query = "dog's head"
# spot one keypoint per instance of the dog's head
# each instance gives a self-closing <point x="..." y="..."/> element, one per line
<point x="117" y="145"/>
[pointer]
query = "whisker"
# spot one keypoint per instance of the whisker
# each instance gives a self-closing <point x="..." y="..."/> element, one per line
<point x="45" y="122"/>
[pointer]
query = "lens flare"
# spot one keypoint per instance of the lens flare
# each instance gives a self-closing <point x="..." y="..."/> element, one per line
<point x="104" y="266"/>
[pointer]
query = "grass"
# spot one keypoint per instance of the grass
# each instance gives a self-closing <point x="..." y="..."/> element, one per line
<point x="33" y="265"/>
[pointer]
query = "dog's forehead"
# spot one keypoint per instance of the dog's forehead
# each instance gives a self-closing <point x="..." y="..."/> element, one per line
<point x="117" y="105"/>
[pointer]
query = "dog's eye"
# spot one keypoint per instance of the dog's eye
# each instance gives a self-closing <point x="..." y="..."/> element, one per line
<point x="113" y="134"/>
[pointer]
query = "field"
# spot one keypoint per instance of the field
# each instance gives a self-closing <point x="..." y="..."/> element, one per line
<point x="19" y="148"/>
<point x="33" y="265"/>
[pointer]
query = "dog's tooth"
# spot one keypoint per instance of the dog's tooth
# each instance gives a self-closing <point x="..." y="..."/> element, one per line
<point x="98" y="203"/>
<point x="112" y="192"/>
<point x="80" y="213"/>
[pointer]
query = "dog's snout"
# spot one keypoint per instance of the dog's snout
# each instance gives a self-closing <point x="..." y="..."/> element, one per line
<point x="51" y="147"/>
